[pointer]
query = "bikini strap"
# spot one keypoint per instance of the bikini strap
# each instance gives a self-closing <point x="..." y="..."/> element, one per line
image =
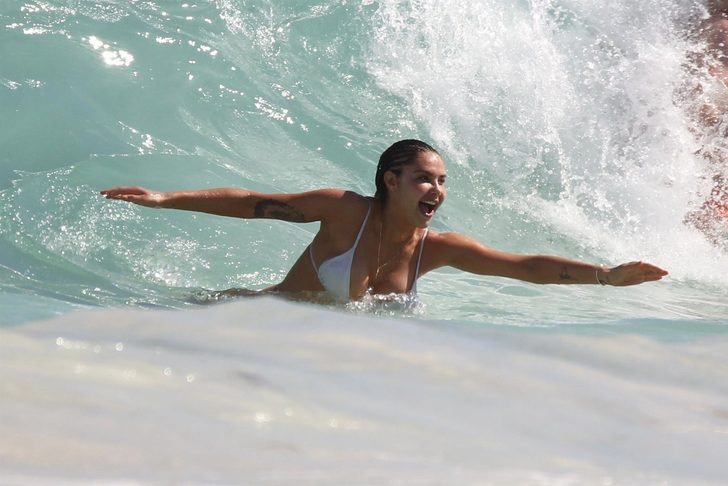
<point x="361" y="230"/>
<point x="356" y="242"/>
<point x="310" y="253"/>
<point x="419" y="258"/>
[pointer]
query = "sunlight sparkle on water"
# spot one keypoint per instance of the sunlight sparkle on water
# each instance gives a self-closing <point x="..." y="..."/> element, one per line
<point x="111" y="57"/>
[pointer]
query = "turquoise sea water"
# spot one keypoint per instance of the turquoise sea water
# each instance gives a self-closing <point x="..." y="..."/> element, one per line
<point x="566" y="130"/>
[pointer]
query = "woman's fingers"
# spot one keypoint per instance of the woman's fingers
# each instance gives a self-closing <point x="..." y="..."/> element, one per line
<point x="133" y="194"/>
<point x="633" y="273"/>
<point x="115" y="192"/>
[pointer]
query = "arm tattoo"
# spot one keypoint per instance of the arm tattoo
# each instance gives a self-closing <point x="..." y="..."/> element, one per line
<point x="564" y="275"/>
<point x="268" y="208"/>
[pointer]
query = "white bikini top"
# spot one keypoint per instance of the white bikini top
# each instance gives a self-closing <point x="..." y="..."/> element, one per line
<point x="335" y="273"/>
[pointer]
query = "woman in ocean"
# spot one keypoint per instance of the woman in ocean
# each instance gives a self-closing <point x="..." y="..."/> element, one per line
<point x="383" y="244"/>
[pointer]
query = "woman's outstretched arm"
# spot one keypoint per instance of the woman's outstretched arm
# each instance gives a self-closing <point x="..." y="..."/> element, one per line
<point x="466" y="254"/>
<point x="239" y="203"/>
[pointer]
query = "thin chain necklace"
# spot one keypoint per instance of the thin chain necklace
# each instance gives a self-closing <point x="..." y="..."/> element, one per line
<point x="379" y="249"/>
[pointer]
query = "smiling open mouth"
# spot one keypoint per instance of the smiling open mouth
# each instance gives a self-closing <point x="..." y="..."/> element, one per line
<point x="428" y="209"/>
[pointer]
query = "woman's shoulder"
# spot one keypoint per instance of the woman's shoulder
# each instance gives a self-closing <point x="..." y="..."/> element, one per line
<point x="351" y="200"/>
<point x="340" y="206"/>
<point x="342" y="195"/>
<point x="439" y="243"/>
<point x="457" y="250"/>
<point x="450" y="243"/>
<point x="332" y="200"/>
<point x="441" y="248"/>
<point x="447" y="238"/>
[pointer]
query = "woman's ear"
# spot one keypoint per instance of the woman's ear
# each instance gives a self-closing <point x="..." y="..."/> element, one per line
<point x="390" y="180"/>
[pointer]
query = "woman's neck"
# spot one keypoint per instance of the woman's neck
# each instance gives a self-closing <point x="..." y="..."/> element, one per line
<point x="394" y="227"/>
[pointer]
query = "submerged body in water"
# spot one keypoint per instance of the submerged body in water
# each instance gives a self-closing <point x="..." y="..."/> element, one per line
<point x="389" y="233"/>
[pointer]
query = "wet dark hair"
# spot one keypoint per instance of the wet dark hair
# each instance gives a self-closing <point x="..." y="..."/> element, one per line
<point x="398" y="154"/>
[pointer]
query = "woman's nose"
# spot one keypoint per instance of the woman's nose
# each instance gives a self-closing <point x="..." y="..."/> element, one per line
<point x="438" y="187"/>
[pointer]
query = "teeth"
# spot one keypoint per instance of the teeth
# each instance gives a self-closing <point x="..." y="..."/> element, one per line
<point x="429" y="207"/>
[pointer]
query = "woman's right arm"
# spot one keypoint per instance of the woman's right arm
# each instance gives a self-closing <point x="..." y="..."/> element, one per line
<point x="303" y="207"/>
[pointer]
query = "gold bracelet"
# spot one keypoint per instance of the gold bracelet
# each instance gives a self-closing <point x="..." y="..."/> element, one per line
<point x="596" y="275"/>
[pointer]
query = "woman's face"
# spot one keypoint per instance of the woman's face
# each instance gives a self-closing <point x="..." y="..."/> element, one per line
<point x="419" y="190"/>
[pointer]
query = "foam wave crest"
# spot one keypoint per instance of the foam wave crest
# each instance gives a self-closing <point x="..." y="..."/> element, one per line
<point x="567" y="115"/>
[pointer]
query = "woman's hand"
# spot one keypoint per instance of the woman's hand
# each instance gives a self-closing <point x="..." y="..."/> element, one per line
<point x="631" y="273"/>
<point x="136" y="195"/>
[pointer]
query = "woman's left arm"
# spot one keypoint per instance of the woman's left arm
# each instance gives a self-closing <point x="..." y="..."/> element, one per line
<point x="467" y="254"/>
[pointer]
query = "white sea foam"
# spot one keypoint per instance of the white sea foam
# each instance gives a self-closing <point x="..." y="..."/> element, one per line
<point x="568" y="116"/>
<point x="265" y="390"/>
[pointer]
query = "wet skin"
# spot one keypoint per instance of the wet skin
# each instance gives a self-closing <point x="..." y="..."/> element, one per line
<point x="385" y="258"/>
